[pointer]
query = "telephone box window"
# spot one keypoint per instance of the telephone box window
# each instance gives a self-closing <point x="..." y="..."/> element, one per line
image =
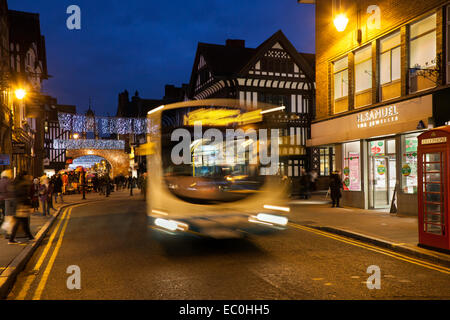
<point x="433" y="197"/>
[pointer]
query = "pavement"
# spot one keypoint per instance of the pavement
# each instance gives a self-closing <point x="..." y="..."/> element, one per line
<point x="393" y="231"/>
<point x="13" y="258"/>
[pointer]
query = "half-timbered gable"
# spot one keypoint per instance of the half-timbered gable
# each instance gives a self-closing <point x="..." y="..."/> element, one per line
<point x="274" y="72"/>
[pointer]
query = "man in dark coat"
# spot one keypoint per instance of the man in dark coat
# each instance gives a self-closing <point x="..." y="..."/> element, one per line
<point x="335" y="188"/>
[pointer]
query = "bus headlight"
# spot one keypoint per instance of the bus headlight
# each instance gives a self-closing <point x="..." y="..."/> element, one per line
<point x="171" y="225"/>
<point x="270" y="218"/>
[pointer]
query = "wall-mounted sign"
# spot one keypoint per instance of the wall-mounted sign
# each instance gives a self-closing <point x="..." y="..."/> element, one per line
<point x="18" y="148"/>
<point x="434" y="140"/>
<point x="4" y="160"/>
<point x="377" y="117"/>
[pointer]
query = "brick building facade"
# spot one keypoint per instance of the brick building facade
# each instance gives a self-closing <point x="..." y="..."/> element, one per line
<point x="385" y="80"/>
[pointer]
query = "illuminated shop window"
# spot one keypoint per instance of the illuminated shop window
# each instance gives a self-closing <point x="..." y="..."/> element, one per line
<point x="363" y="77"/>
<point x="390" y="66"/>
<point x="351" y="173"/>
<point x="409" y="163"/>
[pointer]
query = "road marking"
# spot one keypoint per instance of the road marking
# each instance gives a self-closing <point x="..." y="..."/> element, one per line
<point x="375" y="249"/>
<point x="328" y="284"/>
<point x="355" y="277"/>
<point x="317" y="279"/>
<point x="24" y="291"/>
<point x="42" y="283"/>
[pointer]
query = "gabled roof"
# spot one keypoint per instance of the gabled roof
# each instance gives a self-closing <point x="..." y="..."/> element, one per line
<point x="303" y="60"/>
<point x="229" y="61"/>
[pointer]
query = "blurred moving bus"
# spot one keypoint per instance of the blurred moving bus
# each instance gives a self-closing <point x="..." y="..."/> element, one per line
<point x="213" y="169"/>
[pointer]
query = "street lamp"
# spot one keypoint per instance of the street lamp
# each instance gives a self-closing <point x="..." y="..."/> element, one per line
<point x="76" y="136"/>
<point x="340" y="22"/>
<point x="20" y="94"/>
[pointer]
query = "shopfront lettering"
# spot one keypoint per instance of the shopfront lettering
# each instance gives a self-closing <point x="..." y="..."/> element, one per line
<point x="376" y="117"/>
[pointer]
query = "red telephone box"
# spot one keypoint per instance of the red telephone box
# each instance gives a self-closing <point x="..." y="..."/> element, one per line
<point x="433" y="167"/>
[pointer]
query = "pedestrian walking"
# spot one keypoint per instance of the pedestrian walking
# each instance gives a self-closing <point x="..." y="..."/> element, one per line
<point x="304" y="183"/>
<point x="57" y="191"/>
<point x="43" y="194"/>
<point x="23" y="210"/>
<point x="50" y="191"/>
<point x="34" y="194"/>
<point x="8" y="202"/>
<point x="65" y="182"/>
<point x="335" y="189"/>
<point x="6" y="193"/>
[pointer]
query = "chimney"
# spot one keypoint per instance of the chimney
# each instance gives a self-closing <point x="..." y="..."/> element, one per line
<point x="235" y="43"/>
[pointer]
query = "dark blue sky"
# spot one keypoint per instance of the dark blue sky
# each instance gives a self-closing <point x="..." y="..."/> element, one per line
<point x="144" y="44"/>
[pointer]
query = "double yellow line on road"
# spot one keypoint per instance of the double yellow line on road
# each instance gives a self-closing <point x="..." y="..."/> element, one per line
<point x="30" y="279"/>
<point x="386" y="252"/>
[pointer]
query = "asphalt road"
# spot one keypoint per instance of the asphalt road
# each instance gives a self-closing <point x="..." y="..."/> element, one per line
<point x="120" y="257"/>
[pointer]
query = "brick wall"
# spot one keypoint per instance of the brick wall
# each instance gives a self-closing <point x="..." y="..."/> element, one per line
<point x="331" y="44"/>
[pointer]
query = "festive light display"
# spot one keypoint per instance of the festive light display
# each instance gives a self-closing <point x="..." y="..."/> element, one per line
<point x="102" y="125"/>
<point x="100" y="144"/>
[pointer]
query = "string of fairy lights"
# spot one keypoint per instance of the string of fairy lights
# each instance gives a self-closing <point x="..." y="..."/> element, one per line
<point x="96" y="144"/>
<point x="102" y="125"/>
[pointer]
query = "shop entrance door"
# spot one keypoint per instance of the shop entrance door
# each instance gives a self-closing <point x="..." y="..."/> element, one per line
<point x="382" y="173"/>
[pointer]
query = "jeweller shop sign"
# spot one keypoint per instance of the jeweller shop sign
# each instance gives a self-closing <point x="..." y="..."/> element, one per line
<point x="392" y="118"/>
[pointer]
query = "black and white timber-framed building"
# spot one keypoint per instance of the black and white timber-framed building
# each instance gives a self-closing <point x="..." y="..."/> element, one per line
<point x="274" y="72"/>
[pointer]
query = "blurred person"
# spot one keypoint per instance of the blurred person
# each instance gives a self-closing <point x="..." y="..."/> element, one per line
<point x="34" y="194"/>
<point x="57" y="191"/>
<point x="65" y="182"/>
<point x="305" y="183"/>
<point x="314" y="176"/>
<point x="6" y="191"/>
<point x="43" y="194"/>
<point x="50" y="192"/>
<point x="23" y="210"/>
<point x="335" y="188"/>
<point x="8" y="203"/>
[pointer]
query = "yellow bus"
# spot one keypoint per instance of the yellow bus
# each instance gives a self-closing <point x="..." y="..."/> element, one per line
<point x="213" y="169"/>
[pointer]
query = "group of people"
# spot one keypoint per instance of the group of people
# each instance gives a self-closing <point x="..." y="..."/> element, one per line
<point x="23" y="196"/>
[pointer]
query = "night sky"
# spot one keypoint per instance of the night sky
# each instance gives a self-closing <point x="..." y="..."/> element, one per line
<point x="144" y="44"/>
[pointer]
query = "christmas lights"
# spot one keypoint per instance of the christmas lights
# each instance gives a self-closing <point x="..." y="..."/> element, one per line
<point x="94" y="144"/>
<point x="103" y="125"/>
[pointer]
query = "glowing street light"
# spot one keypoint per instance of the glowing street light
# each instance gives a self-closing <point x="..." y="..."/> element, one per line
<point x="20" y="94"/>
<point x="76" y="136"/>
<point x="340" y="22"/>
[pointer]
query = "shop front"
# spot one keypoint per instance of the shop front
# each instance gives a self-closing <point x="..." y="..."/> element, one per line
<point x="376" y="153"/>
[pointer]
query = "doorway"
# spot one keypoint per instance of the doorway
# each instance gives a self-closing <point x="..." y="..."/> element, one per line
<point x="382" y="173"/>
